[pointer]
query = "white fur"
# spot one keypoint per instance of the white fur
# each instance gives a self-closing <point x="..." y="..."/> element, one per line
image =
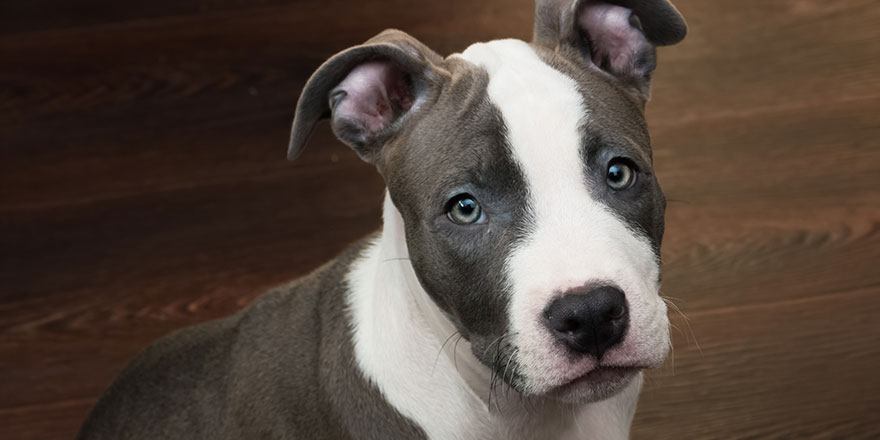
<point x="577" y="240"/>
<point x="399" y="332"/>
<point x="398" y="344"/>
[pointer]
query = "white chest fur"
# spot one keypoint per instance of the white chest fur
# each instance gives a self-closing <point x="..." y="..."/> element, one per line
<point x="401" y="343"/>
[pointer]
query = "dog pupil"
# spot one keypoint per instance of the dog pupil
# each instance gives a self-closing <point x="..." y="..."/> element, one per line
<point x="466" y="207"/>
<point x="614" y="173"/>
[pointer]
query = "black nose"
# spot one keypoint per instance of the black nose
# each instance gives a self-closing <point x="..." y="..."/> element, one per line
<point x="589" y="320"/>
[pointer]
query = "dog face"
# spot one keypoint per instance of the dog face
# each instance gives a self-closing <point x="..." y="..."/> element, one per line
<point x="524" y="176"/>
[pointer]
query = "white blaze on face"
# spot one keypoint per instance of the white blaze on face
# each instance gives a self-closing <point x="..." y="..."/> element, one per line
<point x="575" y="240"/>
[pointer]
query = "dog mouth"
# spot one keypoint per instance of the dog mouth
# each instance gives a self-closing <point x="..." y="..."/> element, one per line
<point x="599" y="382"/>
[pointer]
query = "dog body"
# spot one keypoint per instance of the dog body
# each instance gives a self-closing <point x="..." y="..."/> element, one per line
<point x="513" y="291"/>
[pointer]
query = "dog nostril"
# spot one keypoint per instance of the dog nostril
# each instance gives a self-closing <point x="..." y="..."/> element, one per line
<point x="616" y="312"/>
<point x="561" y="322"/>
<point x="568" y="325"/>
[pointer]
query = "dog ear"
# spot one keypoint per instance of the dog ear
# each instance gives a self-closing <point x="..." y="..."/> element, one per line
<point x="367" y="91"/>
<point x="616" y="36"/>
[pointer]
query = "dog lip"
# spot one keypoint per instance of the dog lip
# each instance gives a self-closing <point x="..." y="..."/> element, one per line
<point x="599" y="374"/>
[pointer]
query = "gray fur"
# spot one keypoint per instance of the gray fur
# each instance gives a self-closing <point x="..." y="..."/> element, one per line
<point x="460" y="146"/>
<point x="454" y="142"/>
<point x="616" y="129"/>
<point x="282" y="368"/>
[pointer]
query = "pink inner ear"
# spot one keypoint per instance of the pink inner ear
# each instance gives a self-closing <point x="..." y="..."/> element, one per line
<point x="614" y="42"/>
<point x="372" y="96"/>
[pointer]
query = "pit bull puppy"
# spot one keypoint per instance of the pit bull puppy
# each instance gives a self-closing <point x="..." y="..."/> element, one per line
<point x="513" y="290"/>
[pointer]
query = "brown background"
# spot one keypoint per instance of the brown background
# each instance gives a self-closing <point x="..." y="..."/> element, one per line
<point x="144" y="187"/>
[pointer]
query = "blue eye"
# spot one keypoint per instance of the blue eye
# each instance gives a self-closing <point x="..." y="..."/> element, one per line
<point x="464" y="210"/>
<point x="620" y="175"/>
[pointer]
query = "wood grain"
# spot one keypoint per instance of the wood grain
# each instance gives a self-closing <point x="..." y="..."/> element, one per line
<point x="143" y="188"/>
<point x="767" y="381"/>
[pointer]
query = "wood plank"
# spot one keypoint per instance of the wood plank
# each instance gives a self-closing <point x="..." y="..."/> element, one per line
<point x="143" y="188"/>
<point x="122" y="245"/>
<point x="178" y="57"/>
<point x="802" y="368"/>
<point x="781" y="203"/>
<point x="61" y="97"/>
<point x="56" y="420"/>
<point x="31" y="16"/>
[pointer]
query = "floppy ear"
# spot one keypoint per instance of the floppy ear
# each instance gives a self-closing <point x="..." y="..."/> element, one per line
<point x="368" y="91"/>
<point x="616" y="36"/>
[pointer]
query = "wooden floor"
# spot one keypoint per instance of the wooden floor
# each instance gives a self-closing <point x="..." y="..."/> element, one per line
<point x="144" y="187"/>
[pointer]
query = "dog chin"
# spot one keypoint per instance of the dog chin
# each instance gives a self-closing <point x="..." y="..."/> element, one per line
<point x="598" y="384"/>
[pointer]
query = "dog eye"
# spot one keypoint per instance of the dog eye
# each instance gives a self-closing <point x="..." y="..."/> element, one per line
<point x="464" y="210"/>
<point x="620" y="174"/>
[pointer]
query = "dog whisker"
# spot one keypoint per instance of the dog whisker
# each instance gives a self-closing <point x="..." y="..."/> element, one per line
<point x="671" y="325"/>
<point x="504" y="374"/>
<point x="455" y="351"/>
<point x="493" y="386"/>
<point x="511" y="354"/>
<point x="494" y="376"/>
<point x="495" y="341"/>
<point x="672" y="352"/>
<point x="577" y="421"/>
<point x="497" y="359"/>
<point x="439" y="352"/>
<point x="675" y="308"/>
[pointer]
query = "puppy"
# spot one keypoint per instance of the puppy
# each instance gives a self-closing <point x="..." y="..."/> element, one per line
<point x="512" y="292"/>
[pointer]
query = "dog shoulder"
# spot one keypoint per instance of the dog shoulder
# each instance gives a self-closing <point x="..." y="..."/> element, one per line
<point x="165" y="386"/>
<point x="255" y="373"/>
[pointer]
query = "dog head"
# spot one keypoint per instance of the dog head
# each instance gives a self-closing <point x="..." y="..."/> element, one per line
<point x="524" y="176"/>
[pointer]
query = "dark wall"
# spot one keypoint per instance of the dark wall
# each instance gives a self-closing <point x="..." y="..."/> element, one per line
<point x="144" y="187"/>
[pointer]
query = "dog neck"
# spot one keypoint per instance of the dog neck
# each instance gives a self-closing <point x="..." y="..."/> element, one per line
<point x="408" y="347"/>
